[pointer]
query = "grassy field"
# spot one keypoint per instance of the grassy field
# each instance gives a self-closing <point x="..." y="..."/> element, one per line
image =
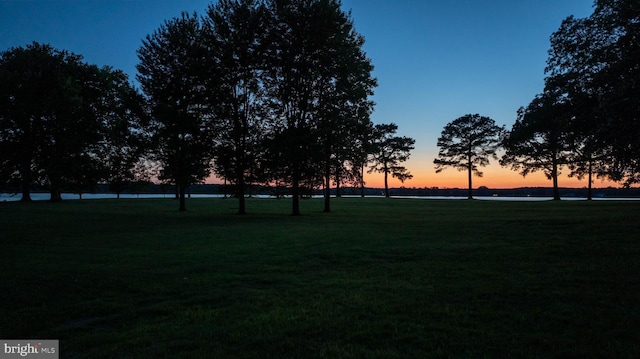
<point x="377" y="278"/>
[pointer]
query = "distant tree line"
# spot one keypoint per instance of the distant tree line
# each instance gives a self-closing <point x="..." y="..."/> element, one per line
<point x="274" y="92"/>
<point x="587" y="117"/>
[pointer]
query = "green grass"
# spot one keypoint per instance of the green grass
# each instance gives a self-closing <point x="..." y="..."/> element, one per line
<point x="376" y="278"/>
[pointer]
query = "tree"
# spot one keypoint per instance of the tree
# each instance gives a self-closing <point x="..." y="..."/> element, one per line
<point x="594" y="61"/>
<point x="467" y="143"/>
<point x="316" y="67"/>
<point x="125" y="142"/>
<point x="171" y="73"/>
<point x="572" y="67"/>
<point x="364" y="150"/>
<point x="388" y="152"/>
<point x="540" y="138"/>
<point x="618" y="81"/>
<point x="344" y="86"/>
<point x="50" y="123"/>
<point x="235" y="36"/>
<point x="26" y="82"/>
<point x="290" y="79"/>
<point x="346" y="161"/>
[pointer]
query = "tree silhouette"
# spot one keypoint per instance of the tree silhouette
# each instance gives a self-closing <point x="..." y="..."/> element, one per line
<point x="571" y="69"/>
<point x="172" y="75"/>
<point x="52" y="125"/>
<point x="317" y="73"/>
<point x="466" y="144"/>
<point x="235" y="37"/>
<point x="540" y="138"/>
<point x="28" y="80"/>
<point x="388" y="152"/>
<point x="125" y="141"/>
<point x="593" y="61"/>
<point x="344" y="86"/>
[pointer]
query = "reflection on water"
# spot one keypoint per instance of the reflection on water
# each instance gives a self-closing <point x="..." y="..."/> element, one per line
<point x="7" y="197"/>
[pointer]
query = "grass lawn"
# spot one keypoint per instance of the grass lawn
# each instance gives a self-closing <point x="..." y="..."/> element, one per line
<point x="376" y="278"/>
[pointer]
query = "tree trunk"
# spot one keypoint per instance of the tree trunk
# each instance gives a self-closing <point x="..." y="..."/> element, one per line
<point x="554" y="176"/>
<point x="240" y="191"/>
<point x="242" y="207"/>
<point x="26" y="191"/>
<point x="470" y="175"/>
<point x="27" y="179"/>
<point x="338" y="174"/>
<point x="56" y="193"/>
<point x="362" y="183"/>
<point x="386" y="185"/>
<point x="181" y="195"/>
<point x="327" y="182"/>
<point x="295" y="191"/>
<point x="327" y="189"/>
<point x="295" y="196"/>
<point x="589" y="189"/>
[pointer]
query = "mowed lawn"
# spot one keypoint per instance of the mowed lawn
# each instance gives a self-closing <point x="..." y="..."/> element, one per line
<point x="376" y="278"/>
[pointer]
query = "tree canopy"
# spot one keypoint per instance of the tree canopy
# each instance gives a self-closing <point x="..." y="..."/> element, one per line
<point x="171" y="73"/>
<point x="539" y="140"/>
<point x="587" y="115"/>
<point x="235" y="37"/>
<point x="319" y="80"/>
<point x="56" y="116"/>
<point x="271" y="96"/>
<point x="468" y="143"/>
<point x="389" y="152"/>
<point x="276" y="92"/>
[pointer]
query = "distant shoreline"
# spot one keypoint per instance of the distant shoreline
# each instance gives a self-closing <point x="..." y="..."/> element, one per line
<point x="525" y="193"/>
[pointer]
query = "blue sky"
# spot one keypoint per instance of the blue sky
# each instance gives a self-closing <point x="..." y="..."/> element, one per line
<point x="435" y="60"/>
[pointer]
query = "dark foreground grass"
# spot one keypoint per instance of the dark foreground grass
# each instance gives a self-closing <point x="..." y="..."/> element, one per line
<point x="374" y="279"/>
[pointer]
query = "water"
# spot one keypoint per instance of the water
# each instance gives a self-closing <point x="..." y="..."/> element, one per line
<point x="6" y="197"/>
<point x="526" y="199"/>
<point x="75" y="196"/>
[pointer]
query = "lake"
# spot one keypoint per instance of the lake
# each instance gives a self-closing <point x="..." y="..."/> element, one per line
<point x="7" y="197"/>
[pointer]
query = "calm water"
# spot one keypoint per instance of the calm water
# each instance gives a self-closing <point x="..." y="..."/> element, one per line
<point x="6" y="197"/>
<point x="65" y="196"/>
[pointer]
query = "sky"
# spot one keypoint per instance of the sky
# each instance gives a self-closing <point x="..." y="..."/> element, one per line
<point x="435" y="61"/>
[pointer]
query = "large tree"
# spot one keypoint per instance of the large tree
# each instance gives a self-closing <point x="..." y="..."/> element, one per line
<point x="594" y="62"/>
<point x="234" y="33"/>
<point x="125" y="142"/>
<point x="344" y="87"/>
<point x="389" y="152"/>
<point x="291" y="77"/>
<point x="572" y="68"/>
<point x="27" y="81"/>
<point x="468" y="143"/>
<point x="51" y="118"/>
<point x="540" y="138"/>
<point x="172" y="72"/>
<point x="618" y="22"/>
<point x="347" y="151"/>
<point x="317" y="70"/>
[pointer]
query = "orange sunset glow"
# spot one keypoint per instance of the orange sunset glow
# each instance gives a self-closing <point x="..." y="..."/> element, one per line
<point x="495" y="176"/>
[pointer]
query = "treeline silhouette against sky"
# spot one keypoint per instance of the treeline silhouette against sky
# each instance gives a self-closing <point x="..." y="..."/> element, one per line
<point x="434" y="61"/>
